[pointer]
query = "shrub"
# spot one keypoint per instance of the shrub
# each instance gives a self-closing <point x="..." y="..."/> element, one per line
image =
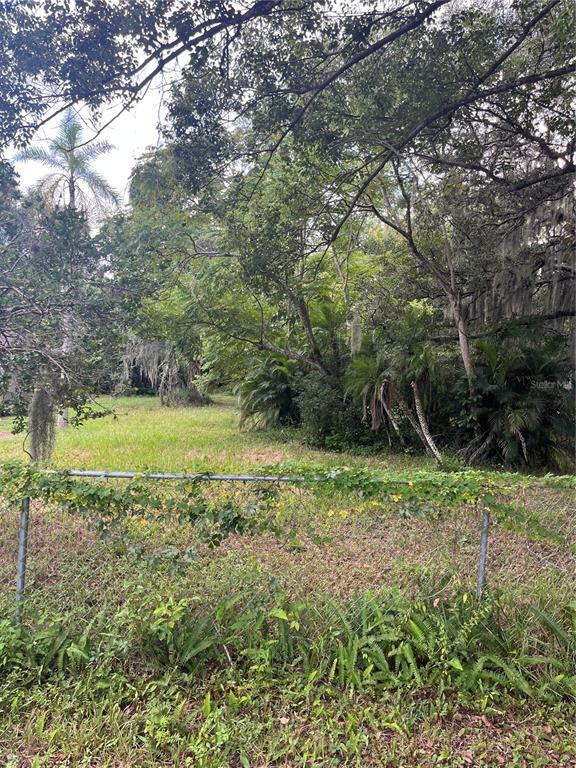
<point x="524" y="404"/>
<point x="329" y="418"/>
<point x="175" y="638"/>
<point x="267" y="395"/>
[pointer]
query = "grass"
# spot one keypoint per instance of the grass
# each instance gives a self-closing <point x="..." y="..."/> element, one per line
<point x="114" y="673"/>
<point x="142" y="435"/>
<point x="126" y="706"/>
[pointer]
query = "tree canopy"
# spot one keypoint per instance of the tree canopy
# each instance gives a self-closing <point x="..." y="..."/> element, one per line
<point x="360" y="213"/>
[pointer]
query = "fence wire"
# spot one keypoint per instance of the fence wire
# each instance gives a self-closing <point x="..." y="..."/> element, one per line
<point x="340" y="546"/>
<point x="534" y="553"/>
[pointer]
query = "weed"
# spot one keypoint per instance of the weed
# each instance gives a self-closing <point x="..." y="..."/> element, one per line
<point x="270" y="649"/>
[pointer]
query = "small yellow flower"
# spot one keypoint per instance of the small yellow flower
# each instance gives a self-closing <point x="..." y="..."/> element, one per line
<point x="395" y="497"/>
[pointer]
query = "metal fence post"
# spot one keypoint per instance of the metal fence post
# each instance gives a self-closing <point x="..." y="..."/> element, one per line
<point x="21" y="562"/>
<point x="481" y="579"/>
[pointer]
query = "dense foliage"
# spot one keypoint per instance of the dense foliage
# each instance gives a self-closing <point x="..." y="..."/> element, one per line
<point x="358" y="219"/>
<point x="58" y="314"/>
<point x="370" y="266"/>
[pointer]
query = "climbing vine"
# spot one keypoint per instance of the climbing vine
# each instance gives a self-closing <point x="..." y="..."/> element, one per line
<point x="112" y="510"/>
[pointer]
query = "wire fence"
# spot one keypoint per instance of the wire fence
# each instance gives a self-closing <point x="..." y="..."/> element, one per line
<point x="344" y="545"/>
<point x="534" y="550"/>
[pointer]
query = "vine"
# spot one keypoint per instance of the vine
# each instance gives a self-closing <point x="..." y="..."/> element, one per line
<point x="110" y="510"/>
<point x="423" y="493"/>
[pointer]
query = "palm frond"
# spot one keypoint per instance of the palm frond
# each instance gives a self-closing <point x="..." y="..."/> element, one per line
<point x="98" y="185"/>
<point x="65" y="153"/>
<point x="52" y="188"/>
<point x="40" y="155"/>
<point x="94" y="150"/>
<point x="69" y="134"/>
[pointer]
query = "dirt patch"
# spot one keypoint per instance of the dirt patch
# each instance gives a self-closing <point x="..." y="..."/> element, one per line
<point x="248" y="458"/>
<point x="264" y="456"/>
<point x="499" y="740"/>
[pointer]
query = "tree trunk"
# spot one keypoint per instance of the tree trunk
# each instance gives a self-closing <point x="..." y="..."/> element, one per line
<point x="304" y="316"/>
<point x="72" y="192"/>
<point x="478" y="452"/>
<point x="453" y="293"/>
<point x="355" y="333"/>
<point x="392" y="421"/>
<point x="463" y="339"/>
<point x="407" y="411"/>
<point x="342" y="275"/>
<point x="424" y="424"/>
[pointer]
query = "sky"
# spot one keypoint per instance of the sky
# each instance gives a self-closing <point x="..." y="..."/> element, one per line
<point x="131" y="134"/>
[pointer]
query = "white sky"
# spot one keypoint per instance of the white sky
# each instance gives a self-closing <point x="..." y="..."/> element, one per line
<point x="131" y="134"/>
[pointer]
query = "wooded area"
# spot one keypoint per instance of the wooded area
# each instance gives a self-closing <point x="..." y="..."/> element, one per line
<point x="335" y="313"/>
<point x="360" y="218"/>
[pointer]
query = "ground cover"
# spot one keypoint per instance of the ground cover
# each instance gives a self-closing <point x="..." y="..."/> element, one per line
<point x="347" y="633"/>
<point x="144" y="435"/>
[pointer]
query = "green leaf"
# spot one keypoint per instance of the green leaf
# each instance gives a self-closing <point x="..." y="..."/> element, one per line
<point x="278" y="613"/>
<point x="207" y="705"/>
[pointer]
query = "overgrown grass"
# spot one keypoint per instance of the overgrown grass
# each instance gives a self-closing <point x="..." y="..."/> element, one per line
<point x="352" y="639"/>
<point x="143" y="435"/>
<point x="233" y="663"/>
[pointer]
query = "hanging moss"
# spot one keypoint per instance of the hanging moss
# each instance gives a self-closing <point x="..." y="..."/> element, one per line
<point x="42" y="426"/>
<point x="158" y="363"/>
<point x="534" y="267"/>
<point x="355" y="333"/>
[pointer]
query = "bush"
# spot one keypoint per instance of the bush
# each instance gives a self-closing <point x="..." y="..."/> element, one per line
<point x="267" y="394"/>
<point x="524" y="404"/>
<point x="329" y="418"/>
<point x="181" y="397"/>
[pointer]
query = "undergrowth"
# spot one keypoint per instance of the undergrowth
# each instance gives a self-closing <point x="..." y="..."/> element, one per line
<point x="374" y="642"/>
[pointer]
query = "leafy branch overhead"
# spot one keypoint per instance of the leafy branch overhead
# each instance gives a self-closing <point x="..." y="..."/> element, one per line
<point x="358" y="218"/>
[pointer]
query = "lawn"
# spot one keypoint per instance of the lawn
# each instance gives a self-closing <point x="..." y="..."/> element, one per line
<point x="342" y="632"/>
<point x="142" y="435"/>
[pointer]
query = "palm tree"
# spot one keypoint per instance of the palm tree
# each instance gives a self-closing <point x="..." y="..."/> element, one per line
<point x="73" y="182"/>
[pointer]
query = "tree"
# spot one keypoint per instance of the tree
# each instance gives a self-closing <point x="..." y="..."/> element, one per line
<point x="94" y="52"/>
<point x="373" y="87"/>
<point x="73" y="182"/>
<point x="327" y="171"/>
<point x="97" y="52"/>
<point x="263" y="280"/>
<point x="53" y="284"/>
<point x="150" y="253"/>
